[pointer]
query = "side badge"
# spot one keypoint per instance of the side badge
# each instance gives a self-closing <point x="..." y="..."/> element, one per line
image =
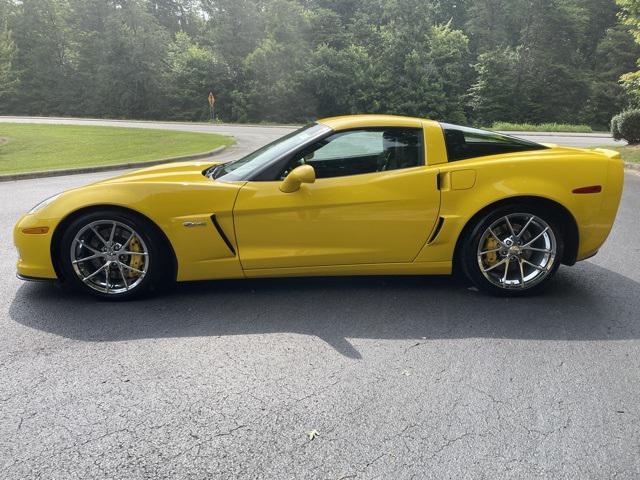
<point x="194" y="224"/>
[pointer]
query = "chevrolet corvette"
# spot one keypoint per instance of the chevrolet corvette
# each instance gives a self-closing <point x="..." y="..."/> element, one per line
<point x="350" y="195"/>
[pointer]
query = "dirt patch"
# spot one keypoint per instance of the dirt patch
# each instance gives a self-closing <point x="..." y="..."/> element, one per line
<point x="3" y="140"/>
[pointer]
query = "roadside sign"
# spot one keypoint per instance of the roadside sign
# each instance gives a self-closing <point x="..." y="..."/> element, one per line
<point x="212" y="101"/>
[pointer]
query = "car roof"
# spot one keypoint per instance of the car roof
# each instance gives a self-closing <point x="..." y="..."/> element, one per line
<point x="346" y="122"/>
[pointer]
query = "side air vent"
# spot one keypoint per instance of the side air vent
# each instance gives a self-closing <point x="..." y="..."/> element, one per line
<point x="436" y="230"/>
<point x="222" y="234"/>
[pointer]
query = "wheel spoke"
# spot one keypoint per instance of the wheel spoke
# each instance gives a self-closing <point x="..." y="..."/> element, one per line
<point x="521" y="271"/>
<point x="106" y="276"/>
<point x="490" y="251"/>
<point x="124" y="277"/>
<point x="537" y="267"/>
<point x="506" y="270"/>
<point x="495" y="265"/>
<point x="496" y="237"/>
<point x="85" y="279"/>
<point x="544" y="250"/>
<point x="143" y="254"/>
<point x="88" y="247"/>
<point x="95" y="231"/>
<point x="90" y="257"/>
<point x="526" y="225"/>
<point x="513" y="234"/>
<point x="130" y="268"/>
<point x="126" y="244"/>
<point x="113" y="232"/>
<point x="535" y="238"/>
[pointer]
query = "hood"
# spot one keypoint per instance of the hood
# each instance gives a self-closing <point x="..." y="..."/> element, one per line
<point x="167" y="172"/>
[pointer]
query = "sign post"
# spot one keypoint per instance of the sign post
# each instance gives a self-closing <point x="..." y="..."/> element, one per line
<point x="212" y="101"/>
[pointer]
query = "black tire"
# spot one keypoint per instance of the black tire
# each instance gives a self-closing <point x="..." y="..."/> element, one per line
<point x="474" y="265"/>
<point x="156" y="262"/>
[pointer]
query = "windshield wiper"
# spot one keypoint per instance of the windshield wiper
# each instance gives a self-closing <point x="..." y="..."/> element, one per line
<point x="213" y="171"/>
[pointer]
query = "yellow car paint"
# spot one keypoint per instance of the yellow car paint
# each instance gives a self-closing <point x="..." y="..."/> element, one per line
<point x="393" y="222"/>
<point x="373" y="218"/>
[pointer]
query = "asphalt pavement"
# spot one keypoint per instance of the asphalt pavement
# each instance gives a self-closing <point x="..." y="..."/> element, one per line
<point x="400" y="377"/>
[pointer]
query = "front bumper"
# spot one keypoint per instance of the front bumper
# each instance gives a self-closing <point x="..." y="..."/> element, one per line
<point x="34" y="250"/>
<point x="34" y="279"/>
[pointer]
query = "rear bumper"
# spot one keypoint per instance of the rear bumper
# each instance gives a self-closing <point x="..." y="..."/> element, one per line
<point x="588" y="256"/>
<point x="595" y="229"/>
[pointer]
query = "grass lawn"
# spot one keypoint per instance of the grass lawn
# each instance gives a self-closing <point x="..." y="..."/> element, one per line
<point x="629" y="153"/>
<point x="29" y="148"/>
<point x="543" y="127"/>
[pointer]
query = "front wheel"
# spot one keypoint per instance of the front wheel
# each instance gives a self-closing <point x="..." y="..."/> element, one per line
<point x="513" y="250"/>
<point x="111" y="254"/>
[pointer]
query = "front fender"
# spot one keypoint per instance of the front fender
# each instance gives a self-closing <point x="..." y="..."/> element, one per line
<point x="201" y="252"/>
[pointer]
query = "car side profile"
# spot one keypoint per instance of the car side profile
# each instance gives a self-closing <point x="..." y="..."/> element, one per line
<point x="350" y="195"/>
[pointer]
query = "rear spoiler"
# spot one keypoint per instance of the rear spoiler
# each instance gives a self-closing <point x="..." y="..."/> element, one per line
<point x="609" y="153"/>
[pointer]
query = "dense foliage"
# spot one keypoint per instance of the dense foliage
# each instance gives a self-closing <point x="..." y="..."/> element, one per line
<point x="626" y="126"/>
<point x="476" y="61"/>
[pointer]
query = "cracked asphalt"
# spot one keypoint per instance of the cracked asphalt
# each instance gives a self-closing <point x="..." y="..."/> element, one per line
<point x="401" y="377"/>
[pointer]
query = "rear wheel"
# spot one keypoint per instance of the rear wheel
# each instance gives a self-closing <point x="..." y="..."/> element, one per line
<point x="513" y="250"/>
<point x="111" y="254"/>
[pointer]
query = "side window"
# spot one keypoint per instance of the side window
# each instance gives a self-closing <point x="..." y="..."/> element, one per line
<point x="464" y="142"/>
<point x="362" y="151"/>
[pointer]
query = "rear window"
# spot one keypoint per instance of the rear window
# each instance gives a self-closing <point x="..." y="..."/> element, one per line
<point x="465" y="142"/>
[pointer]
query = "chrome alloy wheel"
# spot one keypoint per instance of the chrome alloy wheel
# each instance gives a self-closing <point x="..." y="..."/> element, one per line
<point x="109" y="256"/>
<point x="517" y="251"/>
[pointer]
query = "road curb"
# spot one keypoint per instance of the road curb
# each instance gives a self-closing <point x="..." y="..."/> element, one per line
<point x="108" y="168"/>
<point x="632" y="166"/>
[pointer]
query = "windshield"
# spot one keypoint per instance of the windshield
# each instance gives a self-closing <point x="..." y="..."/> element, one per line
<point x="245" y="166"/>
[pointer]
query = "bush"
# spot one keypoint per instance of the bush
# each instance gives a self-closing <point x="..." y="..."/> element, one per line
<point x="626" y="126"/>
<point x="541" y="127"/>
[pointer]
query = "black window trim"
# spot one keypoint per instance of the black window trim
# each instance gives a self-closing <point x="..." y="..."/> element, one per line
<point x="532" y="146"/>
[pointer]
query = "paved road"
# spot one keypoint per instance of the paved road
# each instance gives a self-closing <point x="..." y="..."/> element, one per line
<point x="401" y="377"/>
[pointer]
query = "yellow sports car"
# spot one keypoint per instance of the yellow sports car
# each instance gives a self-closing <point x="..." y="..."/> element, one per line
<point x="351" y="195"/>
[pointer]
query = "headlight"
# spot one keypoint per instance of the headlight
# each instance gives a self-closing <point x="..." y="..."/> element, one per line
<point x="43" y="204"/>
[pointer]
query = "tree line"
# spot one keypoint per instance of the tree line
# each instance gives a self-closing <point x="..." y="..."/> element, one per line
<point x="466" y="61"/>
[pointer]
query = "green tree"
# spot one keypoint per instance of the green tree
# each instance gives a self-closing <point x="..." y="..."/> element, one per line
<point x="8" y="75"/>
<point x="275" y="89"/>
<point x="121" y="59"/>
<point x="492" y="96"/>
<point x="193" y="72"/>
<point x="543" y="77"/>
<point x="43" y="57"/>
<point x="615" y="55"/>
<point x="292" y="60"/>
<point x="630" y="16"/>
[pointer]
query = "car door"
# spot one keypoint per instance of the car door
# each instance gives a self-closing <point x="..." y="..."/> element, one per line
<point x="374" y="201"/>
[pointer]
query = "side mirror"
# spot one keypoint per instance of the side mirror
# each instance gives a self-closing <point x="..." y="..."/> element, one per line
<point x="298" y="176"/>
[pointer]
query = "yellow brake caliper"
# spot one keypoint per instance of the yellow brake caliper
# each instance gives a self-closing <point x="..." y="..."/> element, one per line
<point x="491" y="257"/>
<point x="136" y="260"/>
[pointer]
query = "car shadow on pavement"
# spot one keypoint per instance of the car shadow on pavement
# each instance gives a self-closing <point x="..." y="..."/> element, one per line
<point x="586" y="302"/>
